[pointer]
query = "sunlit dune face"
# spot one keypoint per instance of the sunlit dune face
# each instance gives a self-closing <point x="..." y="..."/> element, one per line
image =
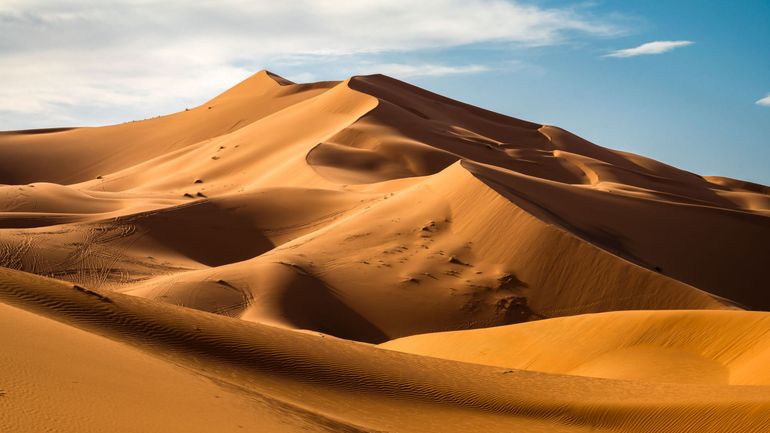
<point x="365" y="255"/>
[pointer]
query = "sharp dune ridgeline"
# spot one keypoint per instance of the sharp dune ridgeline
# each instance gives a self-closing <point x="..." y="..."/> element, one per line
<point x="368" y="256"/>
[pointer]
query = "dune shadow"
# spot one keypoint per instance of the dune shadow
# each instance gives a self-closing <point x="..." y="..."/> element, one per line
<point x="206" y="232"/>
<point x="308" y="303"/>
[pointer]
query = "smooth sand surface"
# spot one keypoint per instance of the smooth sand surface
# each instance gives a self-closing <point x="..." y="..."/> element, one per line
<point x="270" y="238"/>
<point x="720" y="347"/>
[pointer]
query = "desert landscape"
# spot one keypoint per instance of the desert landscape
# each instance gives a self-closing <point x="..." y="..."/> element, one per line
<point x="368" y="256"/>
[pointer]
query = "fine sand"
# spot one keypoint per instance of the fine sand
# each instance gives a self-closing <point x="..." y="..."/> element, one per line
<point x="365" y="255"/>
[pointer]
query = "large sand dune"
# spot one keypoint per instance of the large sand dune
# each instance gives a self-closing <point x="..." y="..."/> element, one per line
<point x="371" y="211"/>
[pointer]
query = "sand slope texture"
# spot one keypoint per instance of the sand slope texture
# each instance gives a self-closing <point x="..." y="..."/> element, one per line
<point x="368" y="256"/>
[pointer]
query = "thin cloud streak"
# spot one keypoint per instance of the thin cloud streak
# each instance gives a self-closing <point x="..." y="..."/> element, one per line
<point x="403" y="70"/>
<point x="765" y="102"/>
<point x="649" y="48"/>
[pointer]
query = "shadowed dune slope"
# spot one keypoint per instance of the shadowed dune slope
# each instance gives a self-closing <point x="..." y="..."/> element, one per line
<point x="463" y="257"/>
<point x="612" y="199"/>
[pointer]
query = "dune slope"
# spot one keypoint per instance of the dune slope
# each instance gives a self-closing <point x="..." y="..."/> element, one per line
<point x="362" y="142"/>
<point x="721" y="347"/>
<point x="268" y="236"/>
<point x="329" y="383"/>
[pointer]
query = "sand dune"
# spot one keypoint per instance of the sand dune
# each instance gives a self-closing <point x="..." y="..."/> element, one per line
<point x="721" y="347"/>
<point x="331" y="384"/>
<point x="371" y="211"/>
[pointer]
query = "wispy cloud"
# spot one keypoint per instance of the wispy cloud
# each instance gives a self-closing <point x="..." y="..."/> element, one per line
<point x="656" y="47"/>
<point x="764" y="101"/>
<point x="404" y="70"/>
<point x="66" y="57"/>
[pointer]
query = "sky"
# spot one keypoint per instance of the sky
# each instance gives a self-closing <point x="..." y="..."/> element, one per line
<point x="684" y="82"/>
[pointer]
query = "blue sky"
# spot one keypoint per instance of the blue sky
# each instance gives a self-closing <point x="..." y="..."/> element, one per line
<point x="693" y="107"/>
<point x="690" y="99"/>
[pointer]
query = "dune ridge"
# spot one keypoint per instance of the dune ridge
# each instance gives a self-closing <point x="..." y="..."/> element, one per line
<point x="515" y="276"/>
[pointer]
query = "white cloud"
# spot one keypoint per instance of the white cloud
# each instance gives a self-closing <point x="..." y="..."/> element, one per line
<point x="764" y="101"/>
<point x="68" y="57"/>
<point x="315" y="68"/>
<point x="403" y="70"/>
<point x="657" y="47"/>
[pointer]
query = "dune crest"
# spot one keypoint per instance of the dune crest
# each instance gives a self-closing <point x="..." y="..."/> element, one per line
<point x="520" y="277"/>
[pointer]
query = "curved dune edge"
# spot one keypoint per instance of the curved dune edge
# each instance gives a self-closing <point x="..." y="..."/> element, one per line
<point x="494" y="220"/>
<point x="386" y="390"/>
<point x="484" y="261"/>
<point x="371" y="210"/>
<point x="480" y="259"/>
<point x="720" y="347"/>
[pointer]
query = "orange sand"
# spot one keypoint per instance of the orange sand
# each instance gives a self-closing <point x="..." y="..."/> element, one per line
<point x="314" y="219"/>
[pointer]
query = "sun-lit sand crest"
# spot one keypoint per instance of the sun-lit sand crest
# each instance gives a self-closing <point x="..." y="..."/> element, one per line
<point x="449" y="268"/>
